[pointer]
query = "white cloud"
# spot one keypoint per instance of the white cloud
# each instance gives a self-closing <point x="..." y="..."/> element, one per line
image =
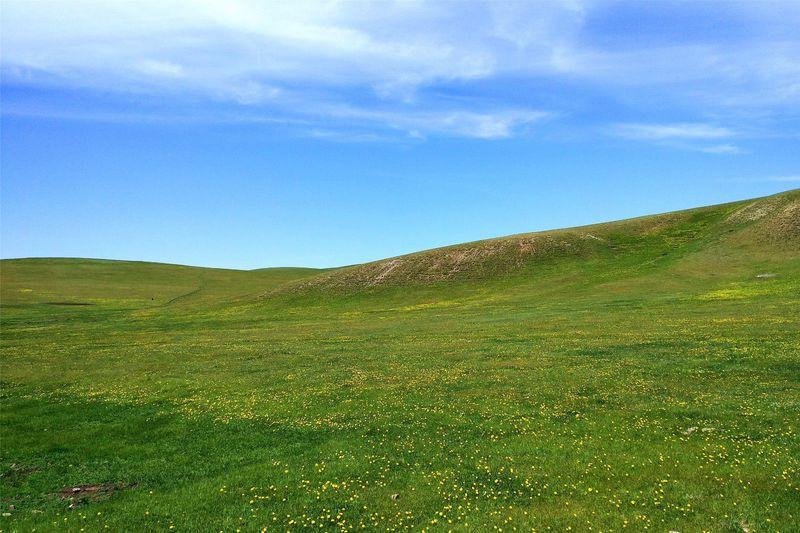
<point x="343" y="136"/>
<point x="112" y="44"/>
<point x="722" y="149"/>
<point x="164" y="69"/>
<point x="658" y="132"/>
<point x="496" y="124"/>
<point x="389" y="63"/>
<point x="301" y="58"/>
<point x="692" y="136"/>
<point x="489" y="125"/>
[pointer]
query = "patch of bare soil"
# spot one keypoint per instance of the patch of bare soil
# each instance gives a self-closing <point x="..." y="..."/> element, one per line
<point x="787" y="221"/>
<point x="782" y="226"/>
<point x="754" y="211"/>
<point x="82" y="494"/>
<point x="387" y="268"/>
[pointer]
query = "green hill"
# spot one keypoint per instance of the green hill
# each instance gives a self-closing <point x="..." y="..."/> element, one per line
<point x="763" y="226"/>
<point x="60" y="281"/>
<point x="640" y="374"/>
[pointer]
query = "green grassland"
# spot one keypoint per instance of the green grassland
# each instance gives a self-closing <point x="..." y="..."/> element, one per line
<point x="636" y="375"/>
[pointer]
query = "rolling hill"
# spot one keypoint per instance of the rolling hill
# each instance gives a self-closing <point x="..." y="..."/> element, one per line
<point x="639" y="374"/>
<point x="60" y="281"/>
<point x="766" y="225"/>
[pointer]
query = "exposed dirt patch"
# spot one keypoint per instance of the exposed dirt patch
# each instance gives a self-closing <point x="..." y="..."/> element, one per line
<point x="83" y="494"/>
<point x="786" y="222"/>
<point x="781" y="226"/>
<point x="387" y="266"/>
<point x="754" y="211"/>
<point x="595" y="237"/>
<point x="774" y="220"/>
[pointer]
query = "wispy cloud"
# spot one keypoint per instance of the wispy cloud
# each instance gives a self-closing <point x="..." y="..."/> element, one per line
<point x="161" y="69"/>
<point x="344" y="123"/>
<point x="721" y="149"/>
<point x="405" y="65"/>
<point x="344" y="136"/>
<point x="658" y="132"/>
<point x="693" y="136"/>
<point x="496" y="124"/>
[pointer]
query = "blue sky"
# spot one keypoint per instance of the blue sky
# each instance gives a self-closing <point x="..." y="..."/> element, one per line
<point x="250" y="134"/>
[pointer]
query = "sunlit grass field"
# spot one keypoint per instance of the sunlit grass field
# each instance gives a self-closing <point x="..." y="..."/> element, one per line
<point x="646" y="380"/>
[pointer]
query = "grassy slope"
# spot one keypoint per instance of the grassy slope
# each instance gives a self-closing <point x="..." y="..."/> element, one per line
<point x="544" y="381"/>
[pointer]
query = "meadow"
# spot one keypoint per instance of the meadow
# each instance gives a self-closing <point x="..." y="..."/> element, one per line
<point x="638" y="375"/>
